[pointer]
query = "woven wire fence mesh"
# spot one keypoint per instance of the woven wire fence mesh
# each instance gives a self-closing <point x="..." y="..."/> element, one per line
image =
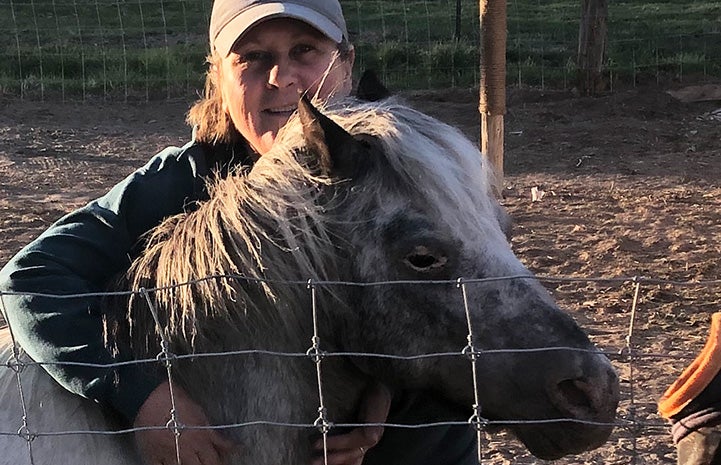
<point x="632" y="356"/>
<point x="155" y="49"/>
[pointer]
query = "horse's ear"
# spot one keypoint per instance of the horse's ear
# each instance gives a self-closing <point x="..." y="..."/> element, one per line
<point x="370" y="88"/>
<point x="331" y="145"/>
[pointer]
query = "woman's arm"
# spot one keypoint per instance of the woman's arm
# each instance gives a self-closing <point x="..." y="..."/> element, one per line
<point x="80" y="254"/>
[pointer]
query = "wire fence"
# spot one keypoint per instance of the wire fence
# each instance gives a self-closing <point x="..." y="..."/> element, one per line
<point x="133" y="50"/>
<point x="633" y="420"/>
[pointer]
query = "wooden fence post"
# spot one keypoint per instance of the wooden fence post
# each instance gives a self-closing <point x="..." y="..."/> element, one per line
<point x="492" y="101"/>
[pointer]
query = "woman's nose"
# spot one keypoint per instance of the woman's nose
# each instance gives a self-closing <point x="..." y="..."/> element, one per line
<point x="281" y="75"/>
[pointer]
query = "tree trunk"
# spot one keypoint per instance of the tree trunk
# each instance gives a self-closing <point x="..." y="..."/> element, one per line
<point x="592" y="43"/>
<point x="457" y="32"/>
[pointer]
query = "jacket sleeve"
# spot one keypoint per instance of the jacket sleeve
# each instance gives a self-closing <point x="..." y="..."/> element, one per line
<point x="80" y="254"/>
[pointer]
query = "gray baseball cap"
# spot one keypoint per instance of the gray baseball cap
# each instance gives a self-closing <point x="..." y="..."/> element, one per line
<point x="231" y="18"/>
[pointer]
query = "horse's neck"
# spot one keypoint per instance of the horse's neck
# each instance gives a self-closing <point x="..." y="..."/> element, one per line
<point x="277" y="389"/>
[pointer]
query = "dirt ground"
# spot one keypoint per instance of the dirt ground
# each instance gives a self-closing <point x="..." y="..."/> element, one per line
<point x="626" y="185"/>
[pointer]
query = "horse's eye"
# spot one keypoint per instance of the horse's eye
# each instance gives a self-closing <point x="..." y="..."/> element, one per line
<point x="424" y="260"/>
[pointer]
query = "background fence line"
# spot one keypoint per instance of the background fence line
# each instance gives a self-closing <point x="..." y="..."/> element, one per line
<point x="628" y="354"/>
<point x="140" y="50"/>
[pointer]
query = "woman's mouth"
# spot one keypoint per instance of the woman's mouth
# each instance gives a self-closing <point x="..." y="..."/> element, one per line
<point x="284" y="111"/>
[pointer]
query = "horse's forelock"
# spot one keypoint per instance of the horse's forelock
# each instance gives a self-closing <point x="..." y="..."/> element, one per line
<point x="434" y="160"/>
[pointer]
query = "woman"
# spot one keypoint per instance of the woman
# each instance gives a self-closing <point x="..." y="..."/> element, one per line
<point x="263" y="53"/>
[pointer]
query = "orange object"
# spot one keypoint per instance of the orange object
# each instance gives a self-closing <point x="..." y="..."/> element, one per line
<point x="697" y="376"/>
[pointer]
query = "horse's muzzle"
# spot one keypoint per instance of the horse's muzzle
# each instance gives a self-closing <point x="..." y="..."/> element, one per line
<point x="588" y="404"/>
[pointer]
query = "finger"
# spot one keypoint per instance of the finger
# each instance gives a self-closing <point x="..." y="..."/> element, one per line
<point x="351" y="441"/>
<point x="166" y="454"/>
<point x="190" y="460"/>
<point x="214" y="448"/>
<point x="345" y="457"/>
<point x="186" y="450"/>
<point x="187" y="457"/>
<point x="375" y="404"/>
<point x="374" y="408"/>
<point x="223" y="445"/>
<point x="209" y="456"/>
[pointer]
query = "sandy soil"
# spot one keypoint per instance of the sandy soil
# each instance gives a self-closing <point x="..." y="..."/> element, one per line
<point x="629" y="186"/>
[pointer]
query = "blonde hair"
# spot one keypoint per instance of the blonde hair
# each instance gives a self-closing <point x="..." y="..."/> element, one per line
<point x="210" y="122"/>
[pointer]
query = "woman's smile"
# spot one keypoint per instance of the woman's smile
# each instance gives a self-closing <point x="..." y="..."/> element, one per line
<point x="281" y="111"/>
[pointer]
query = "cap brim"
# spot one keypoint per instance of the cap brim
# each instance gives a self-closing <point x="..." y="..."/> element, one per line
<point x="244" y="21"/>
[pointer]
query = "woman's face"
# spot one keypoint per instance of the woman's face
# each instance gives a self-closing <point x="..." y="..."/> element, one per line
<point x="275" y="60"/>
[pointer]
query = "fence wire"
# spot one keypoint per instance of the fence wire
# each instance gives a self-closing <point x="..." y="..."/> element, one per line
<point x="140" y="50"/>
<point x="629" y="354"/>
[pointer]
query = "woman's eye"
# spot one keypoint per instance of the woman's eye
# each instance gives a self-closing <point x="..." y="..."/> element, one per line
<point x="301" y="49"/>
<point x="255" y="56"/>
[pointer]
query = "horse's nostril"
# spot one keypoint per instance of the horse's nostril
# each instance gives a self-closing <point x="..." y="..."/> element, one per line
<point x="573" y="393"/>
<point x="591" y="397"/>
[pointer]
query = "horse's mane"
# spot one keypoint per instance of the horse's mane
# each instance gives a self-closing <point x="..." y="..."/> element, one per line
<point x="269" y="224"/>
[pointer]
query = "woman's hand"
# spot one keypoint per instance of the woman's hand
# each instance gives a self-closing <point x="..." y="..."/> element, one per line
<point x="157" y="446"/>
<point x="350" y="448"/>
